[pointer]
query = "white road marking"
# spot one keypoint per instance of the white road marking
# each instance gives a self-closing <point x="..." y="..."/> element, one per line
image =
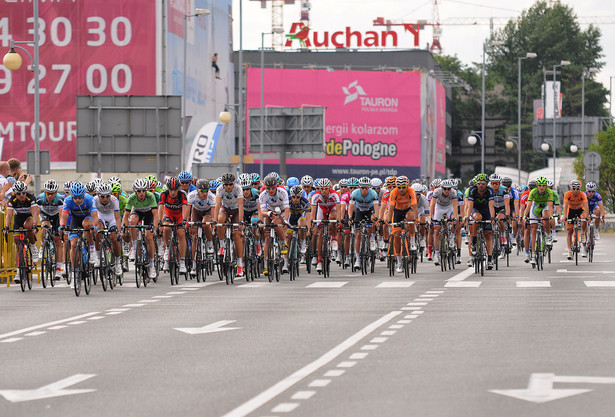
<point x="396" y="326"/>
<point x="388" y="332"/>
<point x="113" y="313"/>
<point x="318" y="383"/>
<point x="346" y="364"/>
<point x="422" y="299"/>
<point x="371" y="347"/>
<point x="328" y="284"/>
<point x="434" y="292"/>
<point x="96" y="318"/>
<point x="462" y="275"/>
<point x="533" y="284"/>
<point x="118" y="309"/>
<point x="176" y="292"/>
<point x="285" y="407"/>
<point x="29" y="329"/>
<point x="414" y="308"/>
<point x="379" y="340"/>
<point x="278" y="388"/>
<point x="57" y="327"/>
<point x="77" y="322"/>
<point x="255" y="285"/>
<point x="11" y="340"/>
<point x="149" y="301"/>
<point x="358" y="355"/>
<point x="600" y="283"/>
<point x="200" y="284"/>
<point x="393" y="284"/>
<point x="463" y="284"/>
<point x="411" y="316"/>
<point x="35" y="333"/>
<point x="404" y="321"/>
<point x="55" y="389"/>
<point x="133" y="305"/>
<point x="190" y="289"/>
<point x="408" y="308"/>
<point x="428" y="295"/>
<point x="162" y="296"/>
<point x="303" y="395"/>
<point x="417" y="304"/>
<point x="334" y="372"/>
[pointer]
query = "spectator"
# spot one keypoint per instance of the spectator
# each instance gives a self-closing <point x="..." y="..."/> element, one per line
<point x="15" y="172"/>
<point x="214" y="64"/>
<point x="5" y="185"/>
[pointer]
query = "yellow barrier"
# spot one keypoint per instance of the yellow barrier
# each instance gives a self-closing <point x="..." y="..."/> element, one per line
<point x="7" y="249"/>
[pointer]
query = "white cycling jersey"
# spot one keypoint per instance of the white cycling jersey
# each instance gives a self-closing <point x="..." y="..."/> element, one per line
<point x="201" y="205"/>
<point x="230" y="200"/>
<point x="270" y="202"/>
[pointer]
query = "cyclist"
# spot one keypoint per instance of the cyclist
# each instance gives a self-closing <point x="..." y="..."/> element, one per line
<point x="557" y="210"/>
<point x="108" y="208"/>
<point x="513" y="203"/>
<point x="480" y="207"/>
<point x="50" y="203"/>
<point x="67" y="186"/>
<point x="501" y="204"/>
<point x="299" y="209"/>
<point x="251" y="206"/>
<point x="201" y="201"/>
<point x="174" y="210"/>
<point x="23" y="205"/>
<point x="325" y="206"/>
<point x="141" y="206"/>
<point x="307" y="183"/>
<point x="423" y="207"/>
<point x="83" y="214"/>
<point x="343" y="233"/>
<point x="90" y="188"/>
<point x="539" y="207"/>
<point x="575" y="206"/>
<point x="384" y="208"/>
<point x="185" y="181"/>
<point x="274" y="209"/>
<point x="366" y="201"/>
<point x="522" y="203"/>
<point x="256" y="180"/>
<point x="229" y="207"/>
<point x="443" y="205"/>
<point x="595" y="205"/>
<point x="402" y="207"/>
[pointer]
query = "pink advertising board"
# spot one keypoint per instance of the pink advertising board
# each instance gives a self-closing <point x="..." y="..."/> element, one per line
<point x="86" y="47"/>
<point x="372" y="120"/>
<point x="441" y="129"/>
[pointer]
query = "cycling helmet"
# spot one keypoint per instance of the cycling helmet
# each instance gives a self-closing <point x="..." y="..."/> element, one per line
<point x="418" y="188"/>
<point x="550" y="184"/>
<point x="448" y="183"/>
<point x="98" y="181"/>
<point x="244" y="177"/>
<point x="141" y="184"/>
<point x="202" y="184"/>
<point x="172" y="183"/>
<point x="245" y="182"/>
<point x="116" y="187"/>
<point x="591" y="186"/>
<point x="151" y="184"/>
<point x="20" y="187"/>
<point x="271" y="180"/>
<point x="228" y="178"/>
<point x="255" y="177"/>
<point x="391" y="181"/>
<point x="376" y="182"/>
<point x="472" y="182"/>
<point x="495" y="178"/>
<point x="480" y="177"/>
<point x="343" y="182"/>
<point x="214" y="184"/>
<point x="90" y="187"/>
<point x="424" y="189"/>
<point x="77" y="189"/>
<point x="275" y="174"/>
<point x="364" y="182"/>
<point x="506" y="182"/>
<point x="281" y="181"/>
<point x="67" y="185"/>
<point x="151" y="178"/>
<point x="532" y="184"/>
<point x="296" y="191"/>
<point x="184" y="176"/>
<point x="292" y="181"/>
<point x="353" y="182"/>
<point x="324" y="183"/>
<point x="115" y="179"/>
<point x="336" y="187"/>
<point x="51" y="186"/>
<point x="307" y="181"/>
<point x="402" y="180"/>
<point x="435" y="183"/>
<point x="575" y="183"/>
<point x="103" y="189"/>
<point x="541" y="181"/>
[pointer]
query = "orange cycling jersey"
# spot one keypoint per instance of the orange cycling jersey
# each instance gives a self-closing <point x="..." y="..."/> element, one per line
<point x="575" y="202"/>
<point x="400" y="201"/>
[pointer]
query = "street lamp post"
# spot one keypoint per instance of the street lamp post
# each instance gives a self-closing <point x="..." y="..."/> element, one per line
<point x="586" y="72"/>
<point x="555" y="112"/>
<point x="263" y="99"/>
<point x="197" y="12"/>
<point x="482" y="118"/>
<point x="611" y="99"/>
<point x="12" y="61"/>
<point x="509" y="145"/>
<point x="476" y="135"/>
<point x="520" y="59"/>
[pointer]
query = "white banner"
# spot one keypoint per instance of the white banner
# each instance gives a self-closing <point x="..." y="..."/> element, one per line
<point x="548" y="114"/>
<point x="204" y="145"/>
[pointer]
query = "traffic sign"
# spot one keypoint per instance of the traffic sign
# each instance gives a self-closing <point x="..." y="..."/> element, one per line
<point x="592" y="175"/>
<point x="592" y="160"/>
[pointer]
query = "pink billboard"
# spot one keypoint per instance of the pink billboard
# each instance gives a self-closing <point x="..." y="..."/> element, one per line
<point x="372" y="120"/>
<point x="86" y="47"/>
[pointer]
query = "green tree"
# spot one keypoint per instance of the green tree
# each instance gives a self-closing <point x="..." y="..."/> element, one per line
<point x="605" y="146"/>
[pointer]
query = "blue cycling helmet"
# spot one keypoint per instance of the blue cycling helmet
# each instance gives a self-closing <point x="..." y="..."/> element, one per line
<point x="184" y="176"/>
<point x="255" y="177"/>
<point x="214" y="184"/>
<point x="77" y="189"/>
<point x="353" y="182"/>
<point x="292" y="181"/>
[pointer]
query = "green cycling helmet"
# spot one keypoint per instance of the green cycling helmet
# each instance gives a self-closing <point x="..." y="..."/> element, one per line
<point x="481" y="177"/>
<point x="541" y="181"/>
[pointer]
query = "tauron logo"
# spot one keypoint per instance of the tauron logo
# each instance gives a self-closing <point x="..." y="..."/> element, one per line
<point x="350" y="97"/>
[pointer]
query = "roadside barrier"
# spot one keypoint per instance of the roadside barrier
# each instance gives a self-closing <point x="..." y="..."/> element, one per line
<point x="7" y="249"/>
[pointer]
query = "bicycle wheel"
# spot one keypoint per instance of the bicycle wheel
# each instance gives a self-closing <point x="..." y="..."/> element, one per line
<point x="292" y="257"/>
<point x="138" y="265"/>
<point x="21" y="267"/>
<point x="198" y="260"/>
<point x="78" y="269"/>
<point x="104" y="264"/>
<point x="44" y="265"/>
<point x="87" y="272"/>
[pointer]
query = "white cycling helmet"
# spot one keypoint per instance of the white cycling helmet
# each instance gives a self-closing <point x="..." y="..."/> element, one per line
<point x="417" y="187"/>
<point x="448" y="183"/>
<point x="307" y="181"/>
<point x="376" y="182"/>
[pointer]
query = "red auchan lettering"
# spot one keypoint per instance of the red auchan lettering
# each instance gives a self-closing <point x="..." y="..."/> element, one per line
<point x="340" y="39"/>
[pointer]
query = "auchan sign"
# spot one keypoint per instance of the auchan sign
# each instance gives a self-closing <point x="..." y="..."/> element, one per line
<point x="346" y="38"/>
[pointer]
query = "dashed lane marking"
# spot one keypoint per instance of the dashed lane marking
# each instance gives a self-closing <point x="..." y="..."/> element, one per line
<point x="57" y="327"/>
<point x="334" y="373"/>
<point x="285" y="407"/>
<point x="40" y="326"/>
<point x="328" y="284"/>
<point x="346" y="364"/>
<point x="600" y="283"/>
<point x="319" y="383"/>
<point x="303" y="395"/>
<point x="533" y="284"/>
<point x="11" y="340"/>
<point x="37" y="333"/>
<point x="359" y="355"/>
<point x="463" y="284"/>
<point x="393" y="284"/>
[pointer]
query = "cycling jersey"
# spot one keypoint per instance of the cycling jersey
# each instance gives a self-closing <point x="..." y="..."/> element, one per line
<point x="173" y="206"/>
<point x="82" y="210"/>
<point x="422" y="204"/>
<point x="523" y="197"/>
<point x="499" y="197"/>
<point x="133" y="204"/>
<point x="50" y="208"/>
<point x="443" y="200"/>
<point x="539" y="201"/>
<point x="326" y="204"/>
<point x="123" y="200"/>
<point x="230" y="200"/>
<point x="298" y="210"/>
<point x="514" y="195"/>
<point x="400" y="201"/>
<point x="555" y="198"/>
<point x="308" y="196"/>
<point x="22" y="207"/>
<point x="363" y="203"/>
<point x="271" y="202"/>
<point x="106" y="212"/>
<point x="575" y="202"/>
<point x="481" y="201"/>
<point x="201" y="204"/>
<point x="345" y="199"/>
<point x="594" y="201"/>
<point x="251" y="204"/>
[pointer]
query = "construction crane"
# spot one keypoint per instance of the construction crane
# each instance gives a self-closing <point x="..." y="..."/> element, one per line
<point x="277" y="19"/>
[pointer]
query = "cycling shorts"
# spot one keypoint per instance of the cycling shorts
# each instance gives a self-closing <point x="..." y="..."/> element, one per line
<point x="20" y="219"/>
<point x="363" y="216"/>
<point x="440" y="212"/>
<point x="77" y="223"/>
<point x="53" y="220"/>
<point x="573" y="214"/>
<point x="108" y="220"/>
<point x="247" y="216"/>
<point x="325" y="214"/>
<point x="171" y="217"/>
<point x="147" y="217"/>
<point x="232" y="216"/>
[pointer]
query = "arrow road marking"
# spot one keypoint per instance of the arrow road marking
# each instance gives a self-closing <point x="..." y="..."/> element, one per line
<point x="210" y="328"/>
<point x="540" y="388"/>
<point x="55" y="389"/>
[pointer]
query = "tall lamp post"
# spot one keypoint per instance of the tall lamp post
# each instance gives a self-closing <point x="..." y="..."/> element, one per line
<point x="519" y="60"/>
<point x="482" y="118"/>
<point x="512" y="141"/>
<point x="611" y="99"/>
<point x="12" y="61"/>
<point x="586" y="72"/>
<point x="197" y="12"/>
<point x="263" y="97"/>
<point x="555" y="112"/>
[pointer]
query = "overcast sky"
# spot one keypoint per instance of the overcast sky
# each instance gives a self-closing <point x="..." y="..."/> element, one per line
<point x="463" y="41"/>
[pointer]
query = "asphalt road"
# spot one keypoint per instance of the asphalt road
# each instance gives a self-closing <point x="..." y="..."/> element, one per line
<point x="516" y="342"/>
